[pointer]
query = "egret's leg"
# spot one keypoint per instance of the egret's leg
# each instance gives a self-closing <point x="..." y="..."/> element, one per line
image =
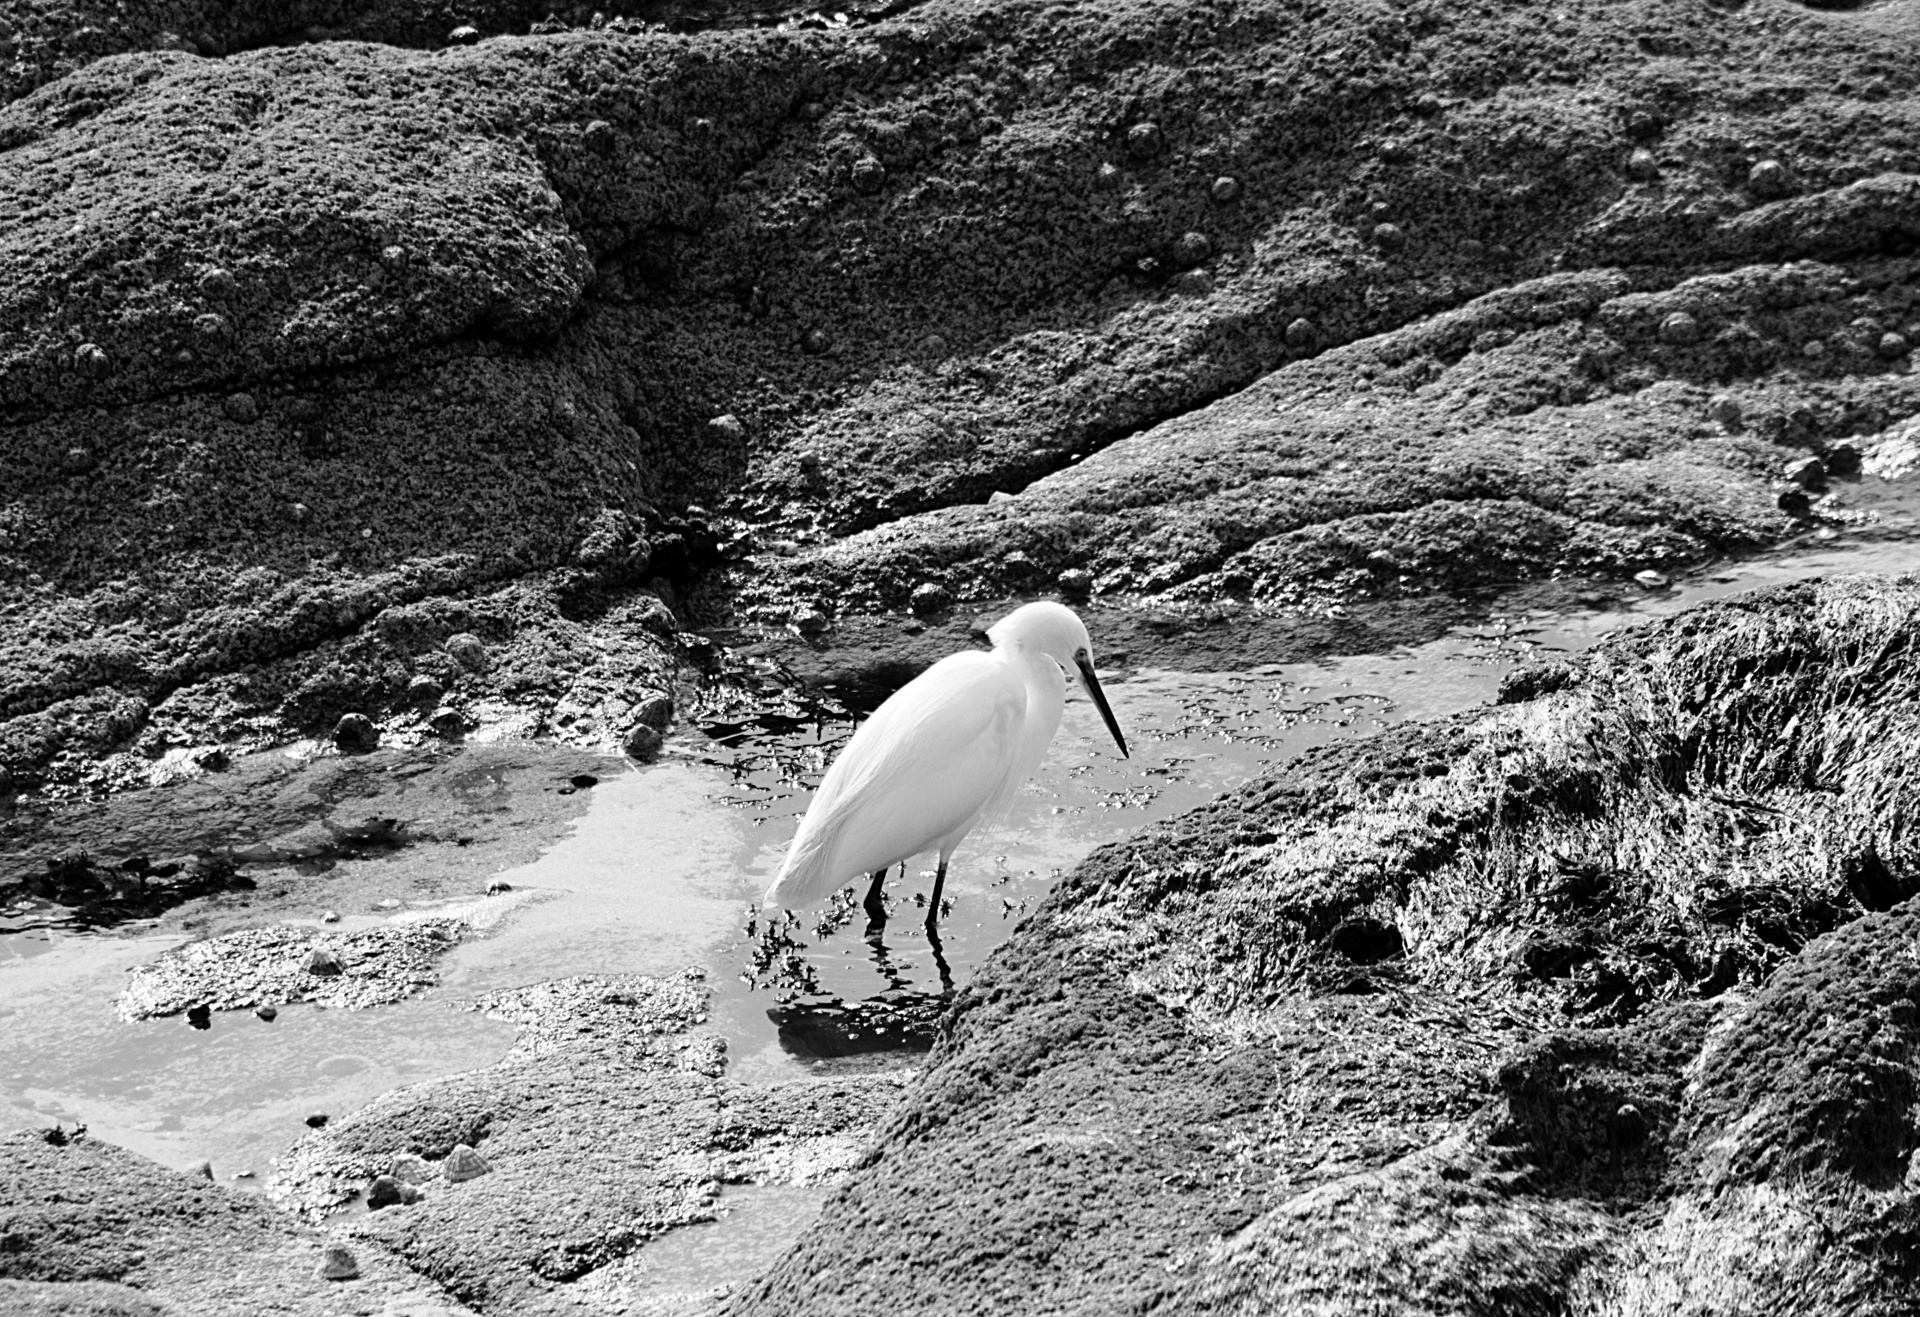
<point x="940" y="961"/>
<point x="933" y="905"/>
<point x="876" y="908"/>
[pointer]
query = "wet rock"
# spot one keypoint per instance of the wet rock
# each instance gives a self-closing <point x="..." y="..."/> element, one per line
<point x="1793" y="501"/>
<point x="267" y="1013"/>
<point x="1893" y="344"/>
<point x="655" y="709"/>
<point x="642" y="742"/>
<point x="355" y="734"/>
<point x="463" y="1164"/>
<point x="1680" y="329"/>
<point x="338" y="1263"/>
<point x="1807" y="472"/>
<point x="1769" y="180"/>
<point x="1300" y="334"/>
<point x="448" y="724"/>
<point x="1843" y="459"/>
<point x="1726" y="409"/>
<point x="424" y="691"/>
<point x="1225" y="189"/>
<point x="1145" y="141"/>
<point x="929" y="598"/>
<point x="241" y="408"/>
<point x="200" y="1016"/>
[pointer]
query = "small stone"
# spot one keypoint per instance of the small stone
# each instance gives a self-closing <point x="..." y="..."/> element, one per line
<point x="1395" y="152"/>
<point x="201" y="1016"/>
<point x="463" y="1163"/>
<point x="210" y="326"/>
<point x="1807" y="472"/>
<point x="598" y="136"/>
<point x="1473" y="249"/>
<point x="391" y="903"/>
<point x="1843" y="459"/>
<point x="1726" y="409"/>
<point x="1893" y="345"/>
<point x="241" y="408"/>
<point x="1144" y="141"/>
<point x="301" y="513"/>
<point x="999" y="496"/>
<point x="329" y="916"/>
<point x="267" y="1013"/>
<point x="1389" y="237"/>
<point x="355" y="734"/>
<point x="1628" y="1127"/>
<point x="447" y="723"/>
<point x="1651" y="580"/>
<point x="91" y="360"/>
<point x="464" y="35"/>
<point x="655" y="709"/>
<point x="1813" y="349"/>
<point x="1192" y="283"/>
<point x="390" y="1191"/>
<point x="1644" y="125"/>
<point x="580" y="782"/>
<point x="1225" y="189"/>
<point x="933" y="345"/>
<point x="809" y="462"/>
<point x="337" y="1263"/>
<point x="424" y="691"/>
<point x="1075" y="582"/>
<point x="204" y="1170"/>
<point x="1107" y="177"/>
<point x="1794" y="502"/>
<point x="79" y="460"/>
<point x="810" y="620"/>
<point x="1300" y="333"/>
<point x="816" y="342"/>
<point x="928" y="598"/>
<point x="318" y="1120"/>
<point x="1190" y="250"/>
<point x="216" y="282"/>
<point x="468" y="650"/>
<point x="1642" y="165"/>
<point x="1769" y="179"/>
<point x="868" y="175"/>
<point x="323" y="962"/>
<point x="1679" y="329"/>
<point x="642" y="743"/>
<point x="497" y="886"/>
<point x="727" y="429"/>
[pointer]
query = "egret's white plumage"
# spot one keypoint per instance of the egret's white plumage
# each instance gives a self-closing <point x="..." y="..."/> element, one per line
<point x="946" y="750"/>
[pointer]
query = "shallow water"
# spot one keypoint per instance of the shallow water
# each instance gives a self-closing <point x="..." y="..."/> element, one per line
<point x="660" y="872"/>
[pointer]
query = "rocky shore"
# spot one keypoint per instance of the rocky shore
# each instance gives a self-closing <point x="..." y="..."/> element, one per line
<point x="414" y="385"/>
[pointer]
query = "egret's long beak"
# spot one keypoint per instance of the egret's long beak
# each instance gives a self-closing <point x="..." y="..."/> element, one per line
<point x="1085" y="664"/>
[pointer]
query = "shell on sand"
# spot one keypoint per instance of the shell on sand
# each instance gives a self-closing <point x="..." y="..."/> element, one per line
<point x="463" y="1163"/>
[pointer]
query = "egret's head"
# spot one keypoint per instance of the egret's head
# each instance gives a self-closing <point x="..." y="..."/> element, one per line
<point x="1053" y="629"/>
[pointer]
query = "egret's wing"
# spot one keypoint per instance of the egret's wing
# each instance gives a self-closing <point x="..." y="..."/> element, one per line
<point x="923" y="765"/>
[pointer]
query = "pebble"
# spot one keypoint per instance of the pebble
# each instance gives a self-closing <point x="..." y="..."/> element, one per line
<point x="1843" y="459"/>
<point x="1644" y="125"/>
<point x="424" y="691"/>
<point x="933" y="345"/>
<point x="655" y="709"/>
<point x="810" y="620"/>
<point x="1193" y="283"/>
<point x="337" y="1263"/>
<point x="1679" y="329"/>
<point x="468" y="650"/>
<point x="318" y="1120"/>
<point x="241" y="408"/>
<point x="1726" y="409"/>
<point x="816" y="342"/>
<point x="463" y="1163"/>
<point x="390" y="1191"/>
<point x="809" y="462"/>
<point x="598" y="136"/>
<point x="210" y="325"/>
<point x="330" y="916"/>
<point x="216" y="282"/>
<point x="1794" y="502"/>
<point x="1629" y="1126"/>
<point x="391" y="903"/>
<point x="1389" y="237"/>
<point x="728" y="429"/>
<point x="355" y="733"/>
<point x="204" y="1170"/>
<point x="1300" y="333"/>
<point x="464" y="35"/>
<point x="642" y="743"/>
<point x="301" y="512"/>
<point x="322" y="962"/>
<point x="1075" y="581"/>
<point x="1642" y="165"/>
<point x="1191" y="249"/>
<point x="1813" y="349"/>
<point x="267" y="1013"/>
<point x="1768" y="179"/>
<point x="1893" y="345"/>
<point x="79" y="460"/>
<point x="91" y="359"/>
<point x="869" y="175"/>
<point x="928" y="598"/>
<point x="1807" y="472"/>
<point x="1651" y="580"/>
<point x="1107" y="177"/>
<point x="201" y="1016"/>
<point x="1145" y="141"/>
<point x="1473" y="249"/>
<point x="1225" y="189"/>
<point x="447" y="723"/>
<point x="497" y="886"/>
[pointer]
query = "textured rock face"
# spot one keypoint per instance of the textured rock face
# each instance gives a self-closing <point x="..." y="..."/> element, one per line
<point x="1596" y="1001"/>
<point x="295" y="338"/>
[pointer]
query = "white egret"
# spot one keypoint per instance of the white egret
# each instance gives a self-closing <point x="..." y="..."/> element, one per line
<point x="949" y="748"/>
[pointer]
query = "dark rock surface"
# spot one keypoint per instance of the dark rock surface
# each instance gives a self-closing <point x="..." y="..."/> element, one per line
<point x="1647" y="1047"/>
<point x="316" y="358"/>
